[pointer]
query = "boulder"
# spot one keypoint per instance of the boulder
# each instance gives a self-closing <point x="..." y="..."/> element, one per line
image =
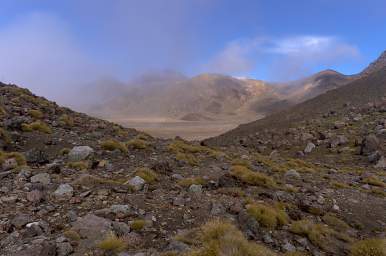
<point x="43" y="178"/>
<point x="64" y="191"/>
<point x="79" y="153"/>
<point x="137" y="183"/>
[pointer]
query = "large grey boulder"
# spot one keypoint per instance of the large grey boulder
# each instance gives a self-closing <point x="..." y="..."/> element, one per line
<point x="43" y="178"/>
<point x="64" y="191"/>
<point x="137" y="183"/>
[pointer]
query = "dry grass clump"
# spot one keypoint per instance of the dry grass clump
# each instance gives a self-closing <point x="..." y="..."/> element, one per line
<point x="180" y="146"/>
<point x="2" y="112"/>
<point x="252" y="178"/>
<point x="36" y="126"/>
<point x="137" y="143"/>
<point x="242" y="162"/>
<point x="36" y="114"/>
<point x="147" y="174"/>
<point x="112" y="145"/>
<point x="378" y="191"/>
<point x="375" y="181"/>
<point x="267" y="216"/>
<point x="66" y="120"/>
<point x="187" y="182"/>
<point x="113" y="244"/>
<point x="64" y="151"/>
<point x="339" y="185"/>
<point x="221" y="238"/>
<point x="137" y="224"/>
<point x="72" y="235"/>
<point x="20" y="158"/>
<point x="80" y="165"/>
<point x="369" y="247"/>
<point x="231" y="191"/>
<point x="320" y="235"/>
<point x="187" y="158"/>
<point x="334" y="222"/>
<point x="5" y="136"/>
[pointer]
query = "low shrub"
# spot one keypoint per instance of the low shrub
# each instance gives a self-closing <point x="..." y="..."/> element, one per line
<point x="113" y="244"/>
<point x="147" y="174"/>
<point x="267" y="216"/>
<point x="369" y="247"/>
<point x="112" y="145"/>
<point x="36" y="114"/>
<point x="245" y="175"/>
<point x="36" y="126"/>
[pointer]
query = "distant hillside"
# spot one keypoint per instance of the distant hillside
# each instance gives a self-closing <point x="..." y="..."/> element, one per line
<point x="368" y="86"/>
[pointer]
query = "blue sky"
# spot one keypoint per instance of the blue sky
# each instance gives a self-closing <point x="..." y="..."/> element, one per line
<point x="46" y="45"/>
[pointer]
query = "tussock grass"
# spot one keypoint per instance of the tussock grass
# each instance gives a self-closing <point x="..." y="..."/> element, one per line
<point x="72" y="235"/>
<point x="375" y="181"/>
<point x="137" y="143"/>
<point x="36" y="126"/>
<point x="320" y="235"/>
<point x="113" y="244"/>
<point x="369" y="247"/>
<point x="80" y="165"/>
<point x="20" y="158"/>
<point x="267" y="216"/>
<point x="187" y="182"/>
<point x="147" y="174"/>
<point x="334" y="222"/>
<point x="36" y="114"/>
<point x="5" y="136"/>
<point x="180" y="146"/>
<point x="66" y="120"/>
<point x="245" y="175"/>
<point x="112" y="145"/>
<point x="137" y="224"/>
<point x="187" y="158"/>
<point x="221" y="238"/>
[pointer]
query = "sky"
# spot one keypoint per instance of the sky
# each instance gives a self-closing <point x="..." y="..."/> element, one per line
<point x="52" y="47"/>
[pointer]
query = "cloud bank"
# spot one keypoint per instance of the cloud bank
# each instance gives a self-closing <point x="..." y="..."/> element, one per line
<point x="285" y="58"/>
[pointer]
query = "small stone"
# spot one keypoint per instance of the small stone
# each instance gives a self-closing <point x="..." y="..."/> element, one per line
<point x="21" y="220"/>
<point x="292" y="174"/>
<point x="288" y="247"/>
<point x="64" y="191"/>
<point x="43" y="178"/>
<point x="79" y="153"/>
<point x="64" y="249"/>
<point x="197" y="189"/>
<point x="35" y="196"/>
<point x="9" y="164"/>
<point x="310" y="146"/>
<point x="137" y="183"/>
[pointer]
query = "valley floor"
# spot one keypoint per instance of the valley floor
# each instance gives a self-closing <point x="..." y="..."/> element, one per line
<point x="170" y="128"/>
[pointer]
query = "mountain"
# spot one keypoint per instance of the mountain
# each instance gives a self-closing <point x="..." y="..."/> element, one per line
<point x="76" y="185"/>
<point x="367" y="86"/>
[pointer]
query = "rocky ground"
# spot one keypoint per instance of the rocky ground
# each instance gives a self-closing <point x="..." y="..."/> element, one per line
<point x="74" y="185"/>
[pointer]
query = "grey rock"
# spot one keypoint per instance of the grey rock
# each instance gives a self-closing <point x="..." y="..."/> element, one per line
<point x="36" y="156"/>
<point x="137" y="183"/>
<point x="9" y="164"/>
<point x="43" y="178"/>
<point x="197" y="189"/>
<point x="292" y="174"/>
<point x="122" y="210"/>
<point x="64" y="249"/>
<point x="92" y="228"/>
<point x="177" y="246"/>
<point x="79" y="153"/>
<point x="120" y="228"/>
<point x="64" y="191"/>
<point x="370" y="144"/>
<point x="217" y="208"/>
<point x="310" y="146"/>
<point x="288" y="247"/>
<point x="35" y="196"/>
<point x="381" y="164"/>
<point x="20" y="220"/>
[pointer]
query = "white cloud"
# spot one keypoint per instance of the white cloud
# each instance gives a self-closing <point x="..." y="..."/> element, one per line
<point x="292" y="55"/>
<point x="38" y="52"/>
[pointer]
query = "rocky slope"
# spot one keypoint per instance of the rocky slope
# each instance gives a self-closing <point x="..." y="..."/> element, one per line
<point x="75" y="185"/>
